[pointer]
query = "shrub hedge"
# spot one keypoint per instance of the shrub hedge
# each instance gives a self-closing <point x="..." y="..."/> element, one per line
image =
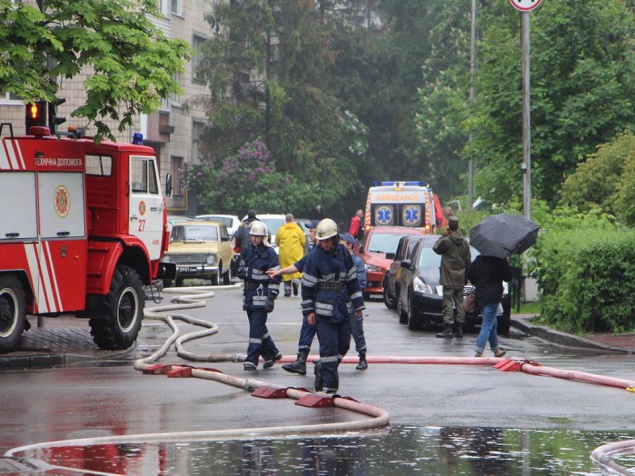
<point x="587" y="277"/>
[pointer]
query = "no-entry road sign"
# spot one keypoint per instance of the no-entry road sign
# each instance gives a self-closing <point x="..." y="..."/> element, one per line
<point x="525" y="5"/>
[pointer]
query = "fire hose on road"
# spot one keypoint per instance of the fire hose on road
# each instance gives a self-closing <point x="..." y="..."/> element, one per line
<point x="195" y="298"/>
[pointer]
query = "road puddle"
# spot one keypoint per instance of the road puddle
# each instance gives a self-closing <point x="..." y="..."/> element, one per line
<point x="399" y="451"/>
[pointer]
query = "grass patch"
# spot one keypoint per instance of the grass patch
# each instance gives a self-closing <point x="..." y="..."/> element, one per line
<point x="532" y="308"/>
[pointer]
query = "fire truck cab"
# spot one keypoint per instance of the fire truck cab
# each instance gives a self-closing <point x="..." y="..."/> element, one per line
<point x="83" y="229"/>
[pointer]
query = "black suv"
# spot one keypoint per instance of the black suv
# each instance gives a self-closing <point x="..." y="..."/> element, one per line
<point x="407" y="245"/>
<point x="411" y="285"/>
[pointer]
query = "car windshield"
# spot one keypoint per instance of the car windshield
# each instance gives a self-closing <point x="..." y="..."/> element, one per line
<point x="273" y="224"/>
<point x="383" y="242"/>
<point x="225" y="220"/>
<point x="429" y="259"/>
<point x="200" y="233"/>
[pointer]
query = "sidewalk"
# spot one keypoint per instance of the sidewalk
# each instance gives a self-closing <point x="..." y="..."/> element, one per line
<point x="62" y="340"/>
<point x="66" y="340"/>
<point x="624" y="343"/>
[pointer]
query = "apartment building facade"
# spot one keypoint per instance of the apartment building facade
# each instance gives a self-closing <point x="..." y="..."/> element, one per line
<point x="174" y="130"/>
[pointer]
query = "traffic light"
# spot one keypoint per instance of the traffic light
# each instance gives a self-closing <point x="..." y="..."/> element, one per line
<point x="35" y="114"/>
<point x="55" y="121"/>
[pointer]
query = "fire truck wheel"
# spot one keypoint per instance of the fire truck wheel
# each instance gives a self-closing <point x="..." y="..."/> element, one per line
<point x="12" y="312"/>
<point x="119" y="327"/>
<point x="227" y="277"/>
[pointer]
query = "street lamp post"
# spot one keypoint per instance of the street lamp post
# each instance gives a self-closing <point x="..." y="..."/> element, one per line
<point x="470" y="174"/>
<point x="526" y="166"/>
<point x="525" y="6"/>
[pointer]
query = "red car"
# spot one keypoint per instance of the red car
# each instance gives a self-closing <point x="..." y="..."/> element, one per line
<point x="378" y="241"/>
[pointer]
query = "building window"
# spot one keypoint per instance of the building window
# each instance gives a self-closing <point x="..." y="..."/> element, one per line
<point x="174" y="99"/>
<point x="164" y="7"/>
<point x="197" y="132"/>
<point x="10" y="98"/>
<point x="178" y="172"/>
<point x="176" y="7"/>
<point x="197" y="60"/>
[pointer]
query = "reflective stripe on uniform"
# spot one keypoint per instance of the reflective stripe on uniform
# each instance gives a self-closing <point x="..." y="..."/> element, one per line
<point x="323" y="308"/>
<point x="356" y="295"/>
<point x="253" y="340"/>
<point x="259" y="275"/>
<point x="330" y="358"/>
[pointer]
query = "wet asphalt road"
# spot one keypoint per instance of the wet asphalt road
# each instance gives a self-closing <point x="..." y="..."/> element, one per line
<point x="107" y="396"/>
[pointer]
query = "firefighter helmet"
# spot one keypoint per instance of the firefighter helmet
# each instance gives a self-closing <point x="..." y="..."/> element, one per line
<point x="258" y="228"/>
<point x="327" y="228"/>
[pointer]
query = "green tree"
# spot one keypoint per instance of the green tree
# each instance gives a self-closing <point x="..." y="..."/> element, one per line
<point x="582" y="63"/>
<point x="269" y="78"/>
<point x="606" y="179"/>
<point x="131" y="60"/>
<point x="443" y="99"/>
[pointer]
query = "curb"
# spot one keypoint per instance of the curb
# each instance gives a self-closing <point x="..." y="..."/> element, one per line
<point x="557" y="337"/>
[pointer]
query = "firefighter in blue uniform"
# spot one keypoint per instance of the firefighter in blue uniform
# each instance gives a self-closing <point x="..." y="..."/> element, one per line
<point x="259" y="294"/>
<point x="331" y="296"/>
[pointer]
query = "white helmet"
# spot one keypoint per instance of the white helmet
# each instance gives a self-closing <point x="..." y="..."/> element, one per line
<point x="327" y="228"/>
<point x="258" y="228"/>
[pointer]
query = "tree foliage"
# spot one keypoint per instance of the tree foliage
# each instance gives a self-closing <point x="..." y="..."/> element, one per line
<point x="269" y="77"/>
<point x="582" y="85"/>
<point x="131" y="61"/>
<point x="443" y="99"/>
<point x="606" y="179"/>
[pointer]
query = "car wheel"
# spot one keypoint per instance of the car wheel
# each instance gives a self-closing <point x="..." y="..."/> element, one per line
<point x="119" y="326"/>
<point x="227" y="277"/>
<point x="12" y="312"/>
<point x="403" y="317"/>
<point x="215" y="279"/>
<point x="390" y="302"/>
<point x="503" y="325"/>
<point x="178" y="282"/>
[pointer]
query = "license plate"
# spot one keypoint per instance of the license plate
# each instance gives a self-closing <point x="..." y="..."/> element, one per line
<point x="186" y="269"/>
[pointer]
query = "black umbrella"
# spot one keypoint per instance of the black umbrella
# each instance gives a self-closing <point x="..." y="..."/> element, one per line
<point x="503" y="235"/>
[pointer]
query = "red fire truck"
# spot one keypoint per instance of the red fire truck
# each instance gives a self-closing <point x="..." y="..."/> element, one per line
<point x="82" y="230"/>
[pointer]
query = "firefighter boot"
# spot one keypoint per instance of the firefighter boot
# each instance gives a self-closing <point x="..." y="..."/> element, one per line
<point x="319" y="384"/>
<point x="299" y="366"/>
<point x="447" y="333"/>
<point x="362" y="365"/>
<point x="458" y="332"/>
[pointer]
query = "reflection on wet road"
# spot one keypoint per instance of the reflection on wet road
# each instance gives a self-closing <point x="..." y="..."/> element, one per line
<point x="402" y="451"/>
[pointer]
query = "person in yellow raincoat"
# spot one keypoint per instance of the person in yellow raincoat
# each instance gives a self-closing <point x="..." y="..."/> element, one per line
<point x="290" y="240"/>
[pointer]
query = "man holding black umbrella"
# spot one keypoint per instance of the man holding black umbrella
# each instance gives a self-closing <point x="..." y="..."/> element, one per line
<point x="455" y="261"/>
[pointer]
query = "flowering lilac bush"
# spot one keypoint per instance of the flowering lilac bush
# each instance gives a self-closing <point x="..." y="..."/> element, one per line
<point x="243" y="181"/>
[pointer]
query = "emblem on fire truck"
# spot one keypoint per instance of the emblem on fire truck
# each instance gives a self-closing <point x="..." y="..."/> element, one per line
<point x="142" y="207"/>
<point x="62" y="201"/>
